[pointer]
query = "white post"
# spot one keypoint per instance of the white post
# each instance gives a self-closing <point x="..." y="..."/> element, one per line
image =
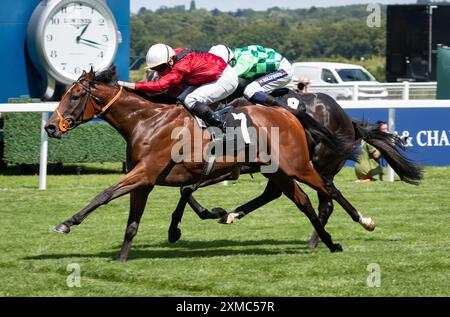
<point x="43" y="157"/>
<point x="405" y="96"/>
<point x="355" y="92"/>
<point x="405" y="90"/>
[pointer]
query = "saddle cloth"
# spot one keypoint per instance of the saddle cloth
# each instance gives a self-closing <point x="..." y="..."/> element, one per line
<point x="237" y="124"/>
<point x="238" y="136"/>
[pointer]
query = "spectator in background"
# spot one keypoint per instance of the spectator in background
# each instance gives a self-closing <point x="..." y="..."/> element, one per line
<point x="369" y="165"/>
<point x="303" y="85"/>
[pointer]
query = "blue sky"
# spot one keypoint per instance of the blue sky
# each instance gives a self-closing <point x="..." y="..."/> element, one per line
<point x="233" y="5"/>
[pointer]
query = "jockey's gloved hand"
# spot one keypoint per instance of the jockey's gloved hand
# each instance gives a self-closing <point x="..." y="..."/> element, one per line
<point x="126" y="84"/>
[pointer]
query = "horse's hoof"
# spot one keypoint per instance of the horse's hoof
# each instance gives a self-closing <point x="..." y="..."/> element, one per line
<point x="368" y="224"/>
<point x="218" y="212"/>
<point x="62" y="228"/>
<point x="174" y="235"/>
<point x="228" y="219"/>
<point x="371" y="225"/>
<point x="337" y="248"/>
<point x="121" y="258"/>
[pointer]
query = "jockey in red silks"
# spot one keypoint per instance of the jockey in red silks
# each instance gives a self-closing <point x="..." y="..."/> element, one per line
<point x="197" y="79"/>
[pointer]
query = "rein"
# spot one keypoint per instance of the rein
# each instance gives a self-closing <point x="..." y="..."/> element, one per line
<point x="92" y="108"/>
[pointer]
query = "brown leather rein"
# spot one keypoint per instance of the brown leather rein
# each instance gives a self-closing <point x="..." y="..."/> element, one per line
<point x="92" y="108"/>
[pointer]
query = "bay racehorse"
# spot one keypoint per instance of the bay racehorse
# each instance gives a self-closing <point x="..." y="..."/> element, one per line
<point x="326" y="111"/>
<point x="148" y="130"/>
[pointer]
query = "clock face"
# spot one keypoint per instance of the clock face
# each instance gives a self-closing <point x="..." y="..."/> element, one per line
<point x="77" y="35"/>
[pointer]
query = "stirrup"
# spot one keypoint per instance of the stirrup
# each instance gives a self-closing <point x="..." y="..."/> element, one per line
<point x="223" y="136"/>
<point x="209" y="165"/>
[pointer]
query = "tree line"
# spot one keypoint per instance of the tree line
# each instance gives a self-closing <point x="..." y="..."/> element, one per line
<point x="336" y="33"/>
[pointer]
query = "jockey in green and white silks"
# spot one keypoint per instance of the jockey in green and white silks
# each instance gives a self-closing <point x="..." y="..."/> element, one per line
<point x="262" y="69"/>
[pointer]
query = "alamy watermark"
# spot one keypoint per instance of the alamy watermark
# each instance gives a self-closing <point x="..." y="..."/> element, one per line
<point x="374" y="18"/>
<point x="374" y="278"/>
<point x="74" y="278"/>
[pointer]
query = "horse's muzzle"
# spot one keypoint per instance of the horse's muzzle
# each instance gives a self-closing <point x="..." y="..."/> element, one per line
<point x="53" y="131"/>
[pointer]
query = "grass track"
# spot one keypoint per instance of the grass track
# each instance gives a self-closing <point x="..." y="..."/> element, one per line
<point x="264" y="254"/>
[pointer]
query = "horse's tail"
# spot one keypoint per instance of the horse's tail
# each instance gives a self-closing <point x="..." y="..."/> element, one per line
<point x="391" y="147"/>
<point x="340" y="145"/>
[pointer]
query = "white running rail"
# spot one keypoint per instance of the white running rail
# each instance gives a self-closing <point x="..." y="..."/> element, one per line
<point x="352" y="91"/>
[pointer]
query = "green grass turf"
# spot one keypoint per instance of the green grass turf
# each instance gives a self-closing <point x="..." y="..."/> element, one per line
<point x="264" y="254"/>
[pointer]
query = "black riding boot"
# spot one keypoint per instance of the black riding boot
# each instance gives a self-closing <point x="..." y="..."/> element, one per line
<point x="268" y="100"/>
<point x="208" y="115"/>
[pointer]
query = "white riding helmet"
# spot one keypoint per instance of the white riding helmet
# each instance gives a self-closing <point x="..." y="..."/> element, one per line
<point x="222" y="51"/>
<point x="159" y="54"/>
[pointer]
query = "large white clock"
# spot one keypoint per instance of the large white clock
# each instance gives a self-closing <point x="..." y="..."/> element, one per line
<point x="66" y="37"/>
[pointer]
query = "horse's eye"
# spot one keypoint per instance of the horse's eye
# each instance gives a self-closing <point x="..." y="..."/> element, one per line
<point x="74" y="97"/>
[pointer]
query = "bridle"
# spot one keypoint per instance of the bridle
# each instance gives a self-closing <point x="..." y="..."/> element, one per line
<point x="91" y="109"/>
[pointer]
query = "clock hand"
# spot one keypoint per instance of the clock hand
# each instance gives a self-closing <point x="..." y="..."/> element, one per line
<point x="91" y="43"/>
<point x="82" y="32"/>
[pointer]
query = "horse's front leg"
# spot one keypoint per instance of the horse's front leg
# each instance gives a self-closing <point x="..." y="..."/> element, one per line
<point x="134" y="179"/>
<point x="138" y="200"/>
<point x="174" y="233"/>
<point x="271" y="192"/>
<point x="215" y="213"/>
<point x="325" y="211"/>
<point x="204" y="213"/>
<point x="367" y="222"/>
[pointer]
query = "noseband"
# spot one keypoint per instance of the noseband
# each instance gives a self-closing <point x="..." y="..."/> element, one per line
<point x="91" y="109"/>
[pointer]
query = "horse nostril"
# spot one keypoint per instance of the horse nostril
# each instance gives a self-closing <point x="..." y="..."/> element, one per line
<point x="50" y="128"/>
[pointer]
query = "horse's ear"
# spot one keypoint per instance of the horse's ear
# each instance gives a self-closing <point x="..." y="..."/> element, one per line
<point x="114" y="73"/>
<point x="90" y="76"/>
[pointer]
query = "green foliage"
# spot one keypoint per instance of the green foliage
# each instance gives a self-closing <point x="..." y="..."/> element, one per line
<point x="299" y="34"/>
<point x="137" y="75"/>
<point x="376" y="65"/>
<point x="92" y="142"/>
<point x="263" y="254"/>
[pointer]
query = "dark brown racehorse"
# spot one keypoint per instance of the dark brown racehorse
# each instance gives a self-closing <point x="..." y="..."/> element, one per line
<point x="148" y="127"/>
<point x="328" y="163"/>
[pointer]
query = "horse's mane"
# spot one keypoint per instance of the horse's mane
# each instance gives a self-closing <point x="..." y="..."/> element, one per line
<point x="110" y="76"/>
<point x="160" y="98"/>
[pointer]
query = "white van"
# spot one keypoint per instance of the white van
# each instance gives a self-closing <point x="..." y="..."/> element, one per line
<point x="338" y="79"/>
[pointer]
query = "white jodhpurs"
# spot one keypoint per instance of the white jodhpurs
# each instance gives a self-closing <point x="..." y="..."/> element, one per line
<point x="271" y="81"/>
<point x="212" y="92"/>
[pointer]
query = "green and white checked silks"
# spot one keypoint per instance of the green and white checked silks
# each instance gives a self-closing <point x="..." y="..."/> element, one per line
<point x="254" y="60"/>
